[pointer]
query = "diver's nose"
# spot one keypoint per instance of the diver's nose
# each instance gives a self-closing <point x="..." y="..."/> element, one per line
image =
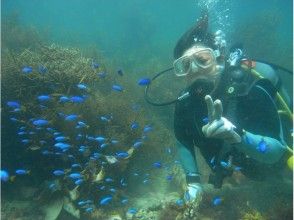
<point x="194" y="67"/>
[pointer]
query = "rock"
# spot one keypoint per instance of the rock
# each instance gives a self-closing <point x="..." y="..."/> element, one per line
<point x="53" y="209"/>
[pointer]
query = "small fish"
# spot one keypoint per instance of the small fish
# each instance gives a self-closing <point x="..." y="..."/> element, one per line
<point x="212" y="160"/>
<point x="76" y="165"/>
<point x="64" y="99"/>
<point x="72" y="117"/>
<point x="144" y="81"/>
<point x="137" y="144"/>
<point x="100" y="139"/>
<point x="157" y="164"/>
<point x="145" y="181"/>
<point x="113" y="190"/>
<point x="114" y="141"/>
<point x="104" y="145"/>
<point x="42" y="69"/>
<point x="25" y="141"/>
<point x="132" y="211"/>
<point x="180" y="202"/>
<point x="13" y="104"/>
<point x="109" y="180"/>
<point x="106" y="118"/>
<point x="101" y="74"/>
<point x="122" y="154"/>
<point x="40" y="122"/>
<point x="122" y="182"/>
<point x="262" y="146"/>
<point x="58" y="172"/>
<point x="82" y="124"/>
<point x="168" y="150"/>
<point x="81" y="203"/>
<point x="61" y="139"/>
<point x="82" y="86"/>
<point x="120" y="72"/>
<point x="62" y="146"/>
<point x="124" y="201"/>
<point x="22" y="133"/>
<point x="117" y="88"/>
<point x="94" y="65"/>
<point x="134" y="125"/>
<point x="75" y="176"/>
<point x="224" y="164"/>
<point x="237" y="168"/>
<point x="4" y="175"/>
<point x="79" y="182"/>
<point x="147" y="128"/>
<point x="169" y="177"/>
<point x="27" y="69"/>
<point x="205" y="120"/>
<point x="77" y="99"/>
<point x="216" y="201"/>
<point x="105" y="200"/>
<point x="102" y="187"/>
<point x="89" y="210"/>
<point x="22" y="172"/>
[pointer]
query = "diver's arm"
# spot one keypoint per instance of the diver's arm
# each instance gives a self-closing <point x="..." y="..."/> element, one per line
<point x="189" y="163"/>
<point x="261" y="148"/>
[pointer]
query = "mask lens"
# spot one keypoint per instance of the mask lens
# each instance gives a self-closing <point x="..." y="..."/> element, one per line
<point x="182" y="66"/>
<point x="204" y="58"/>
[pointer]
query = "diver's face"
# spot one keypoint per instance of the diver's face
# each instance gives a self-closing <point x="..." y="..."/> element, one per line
<point x="202" y="64"/>
<point x="198" y="62"/>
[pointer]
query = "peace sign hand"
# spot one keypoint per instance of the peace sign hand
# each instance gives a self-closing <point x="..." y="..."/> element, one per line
<point x="218" y="126"/>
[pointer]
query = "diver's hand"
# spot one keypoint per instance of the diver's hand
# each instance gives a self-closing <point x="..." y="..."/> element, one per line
<point x="218" y="126"/>
<point x="194" y="191"/>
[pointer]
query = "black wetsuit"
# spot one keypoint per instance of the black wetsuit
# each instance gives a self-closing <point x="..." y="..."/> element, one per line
<point x="247" y="103"/>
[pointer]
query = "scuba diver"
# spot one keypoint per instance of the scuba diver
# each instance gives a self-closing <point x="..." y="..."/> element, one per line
<point x="229" y="111"/>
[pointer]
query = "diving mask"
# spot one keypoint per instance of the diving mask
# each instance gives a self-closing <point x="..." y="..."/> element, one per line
<point x="200" y="58"/>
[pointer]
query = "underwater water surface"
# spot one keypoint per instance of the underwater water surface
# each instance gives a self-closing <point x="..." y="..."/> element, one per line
<point x="78" y="139"/>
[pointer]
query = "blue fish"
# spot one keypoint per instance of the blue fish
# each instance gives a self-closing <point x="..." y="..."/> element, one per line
<point x="114" y="141"/>
<point x="122" y="154"/>
<point x="106" y="118"/>
<point x="224" y="164"/>
<point x="104" y="145"/>
<point x="22" y="172"/>
<point x="64" y="99"/>
<point x="101" y="74"/>
<point x="22" y="133"/>
<point x="42" y="69"/>
<point x="169" y="177"/>
<point x="89" y="210"/>
<point x="205" y="120"/>
<point x="13" y="104"/>
<point x="113" y="190"/>
<point x="58" y="172"/>
<point x="120" y="72"/>
<point x="117" y="88"/>
<point x="82" y="86"/>
<point x="134" y="125"/>
<point x="61" y="139"/>
<point x="262" y="146"/>
<point x="94" y="65"/>
<point x="144" y="81"/>
<point x="237" y="168"/>
<point x="76" y="165"/>
<point x="4" y="175"/>
<point x="75" y="176"/>
<point x="147" y="128"/>
<point x="122" y="182"/>
<point x="82" y="124"/>
<point x="79" y="182"/>
<point x="132" y="211"/>
<point x="77" y="99"/>
<point x="105" y="200"/>
<point x="26" y="141"/>
<point x="216" y="201"/>
<point x="100" y="139"/>
<point x="62" y="146"/>
<point x="40" y="122"/>
<point x="137" y="144"/>
<point x="124" y="201"/>
<point x="157" y="164"/>
<point x="180" y="202"/>
<point x="27" y="69"/>
<point x="109" y="180"/>
<point x="72" y="117"/>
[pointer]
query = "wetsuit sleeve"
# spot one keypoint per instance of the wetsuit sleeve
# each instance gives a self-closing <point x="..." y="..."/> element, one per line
<point x="263" y="138"/>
